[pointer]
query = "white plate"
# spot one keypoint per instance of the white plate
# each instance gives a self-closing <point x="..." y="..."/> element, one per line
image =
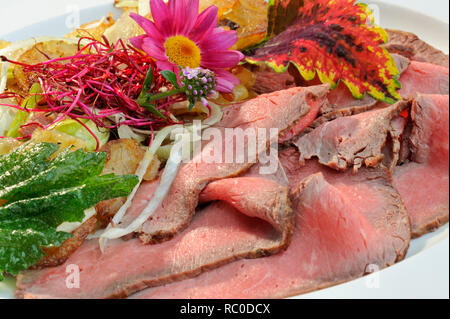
<point x="425" y="271"/>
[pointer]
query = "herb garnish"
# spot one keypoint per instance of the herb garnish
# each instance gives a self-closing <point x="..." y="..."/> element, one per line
<point x="39" y="193"/>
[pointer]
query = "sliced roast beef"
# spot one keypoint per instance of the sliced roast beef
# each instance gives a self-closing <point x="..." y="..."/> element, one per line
<point x="346" y="225"/>
<point x="355" y="140"/>
<point x="424" y="182"/>
<point x="285" y="110"/>
<point x="410" y="46"/>
<point x="254" y="219"/>
<point x="267" y="80"/>
<point x="416" y="77"/>
<point x="424" y="78"/>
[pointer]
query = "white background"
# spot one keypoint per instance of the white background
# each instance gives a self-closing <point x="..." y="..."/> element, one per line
<point x="33" y="11"/>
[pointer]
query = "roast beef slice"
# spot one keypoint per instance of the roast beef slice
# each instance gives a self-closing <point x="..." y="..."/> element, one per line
<point x="346" y="226"/>
<point x="410" y="46"/>
<point x="356" y="140"/>
<point x="416" y="77"/>
<point x="424" y="181"/>
<point x="253" y="219"/>
<point x="284" y="110"/>
<point x="424" y="78"/>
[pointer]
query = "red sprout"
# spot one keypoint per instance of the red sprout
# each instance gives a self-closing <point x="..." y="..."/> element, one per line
<point x="98" y="82"/>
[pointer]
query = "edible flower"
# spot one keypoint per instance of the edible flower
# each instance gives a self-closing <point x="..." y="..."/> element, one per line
<point x="180" y="37"/>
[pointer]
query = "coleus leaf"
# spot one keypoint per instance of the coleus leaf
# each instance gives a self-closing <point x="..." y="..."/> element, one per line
<point x="38" y="193"/>
<point x="281" y="14"/>
<point x="338" y="41"/>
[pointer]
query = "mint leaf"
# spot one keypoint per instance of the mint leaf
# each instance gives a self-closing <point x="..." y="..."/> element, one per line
<point x="41" y="193"/>
<point x="21" y="242"/>
<point x="68" y="169"/>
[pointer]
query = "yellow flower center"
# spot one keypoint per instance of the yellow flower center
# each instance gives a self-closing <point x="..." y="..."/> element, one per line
<point x="182" y="51"/>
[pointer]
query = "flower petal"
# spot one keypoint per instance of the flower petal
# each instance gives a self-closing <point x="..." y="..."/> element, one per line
<point x="148" y="26"/>
<point x="225" y="81"/>
<point x="161" y="16"/>
<point x="137" y="41"/>
<point x="205" y="24"/>
<point x="191" y="16"/>
<point x="177" y="9"/>
<point x="219" y="39"/>
<point x="221" y="59"/>
<point x="152" y="49"/>
<point x="166" y="65"/>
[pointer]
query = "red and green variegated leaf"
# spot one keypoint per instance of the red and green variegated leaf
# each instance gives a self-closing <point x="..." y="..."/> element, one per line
<point x="281" y="14"/>
<point x="338" y="41"/>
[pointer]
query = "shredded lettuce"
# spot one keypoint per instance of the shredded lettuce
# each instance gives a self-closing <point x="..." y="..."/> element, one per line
<point x="22" y="116"/>
<point x="74" y="128"/>
<point x="39" y="194"/>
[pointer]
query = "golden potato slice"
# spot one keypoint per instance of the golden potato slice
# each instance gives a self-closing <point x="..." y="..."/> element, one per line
<point x="55" y="256"/>
<point x="126" y="4"/>
<point x="124" y="28"/>
<point x="250" y="17"/>
<point x="94" y="29"/>
<point x="39" y="53"/>
<point x="223" y="5"/>
<point x="4" y="44"/>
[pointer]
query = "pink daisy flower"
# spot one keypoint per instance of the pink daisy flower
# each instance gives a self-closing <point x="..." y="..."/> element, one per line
<point x="181" y="37"/>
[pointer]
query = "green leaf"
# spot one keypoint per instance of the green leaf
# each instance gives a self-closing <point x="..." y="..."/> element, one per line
<point x="68" y="205"/>
<point x="68" y="169"/>
<point x="150" y="107"/>
<point x="171" y="77"/>
<point x="24" y="162"/>
<point x="191" y="104"/>
<point x="41" y="193"/>
<point x="21" y="241"/>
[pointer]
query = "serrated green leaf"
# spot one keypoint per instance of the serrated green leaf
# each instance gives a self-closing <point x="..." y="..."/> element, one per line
<point x="24" y="161"/>
<point x="66" y="170"/>
<point x="42" y="193"/>
<point x="21" y="242"/>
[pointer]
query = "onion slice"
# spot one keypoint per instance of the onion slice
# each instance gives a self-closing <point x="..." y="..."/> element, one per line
<point x="167" y="178"/>
<point x="115" y="232"/>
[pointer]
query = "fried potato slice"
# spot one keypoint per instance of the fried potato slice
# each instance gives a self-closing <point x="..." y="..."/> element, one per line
<point x="55" y="256"/>
<point x="124" y="28"/>
<point x="41" y="52"/>
<point x="94" y="29"/>
<point x="62" y="139"/>
<point x="4" y="44"/>
<point x="250" y="21"/>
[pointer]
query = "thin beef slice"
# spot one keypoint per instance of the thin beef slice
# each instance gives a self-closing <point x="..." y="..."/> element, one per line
<point x="345" y="225"/>
<point x="356" y="140"/>
<point x="412" y="47"/>
<point x="253" y="218"/>
<point x="423" y="183"/>
<point x="286" y="110"/>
